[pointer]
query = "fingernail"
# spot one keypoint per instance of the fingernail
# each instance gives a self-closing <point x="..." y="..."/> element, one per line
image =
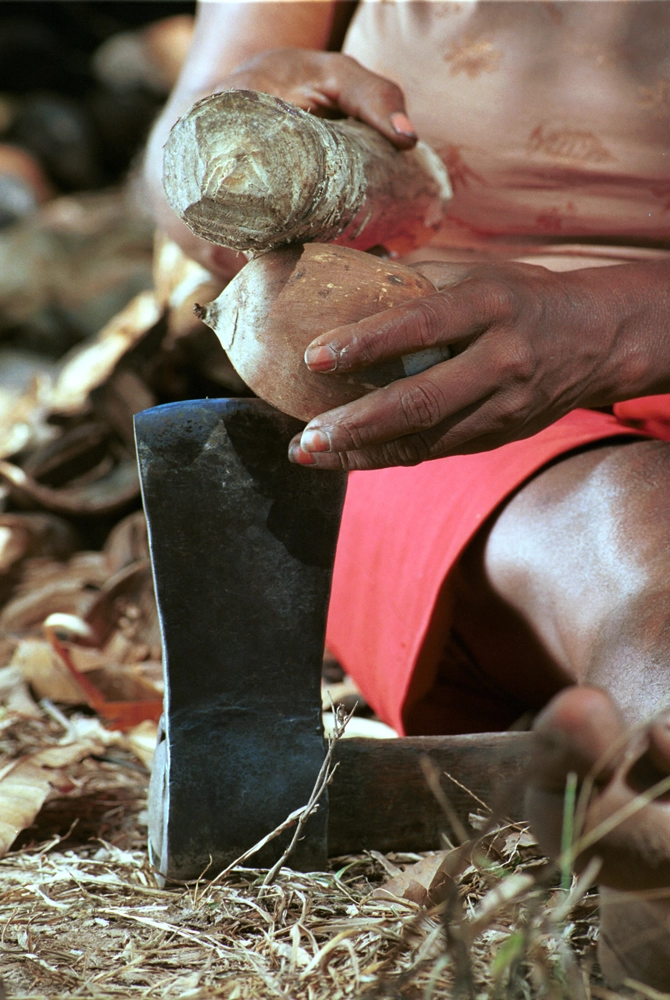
<point x="402" y="125"/>
<point x="321" y="359"/>
<point x="315" y="440"/>
<point x="298" y="456"/>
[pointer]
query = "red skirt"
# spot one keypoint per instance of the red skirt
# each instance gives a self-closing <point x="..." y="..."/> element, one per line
<point x="403" y="531"/>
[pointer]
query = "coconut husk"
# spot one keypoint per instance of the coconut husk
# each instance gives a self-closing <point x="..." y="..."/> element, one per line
<point x="90" y="365"/>
<point x="114" y="486"/>
<point x="71" y="266"/>
<point x="127" y="542"/>
<point x="101" y="639"/>
<point x="25" y="383"/>
<point x="180" y="285"/>
<point x="47" y="586"/>
<point x="34" y="535"/>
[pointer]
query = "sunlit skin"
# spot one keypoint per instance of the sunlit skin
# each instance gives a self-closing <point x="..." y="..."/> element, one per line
<point x="571" y="575"/>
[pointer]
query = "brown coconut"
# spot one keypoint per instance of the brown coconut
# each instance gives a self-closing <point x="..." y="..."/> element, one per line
<point x="279" y="302"/>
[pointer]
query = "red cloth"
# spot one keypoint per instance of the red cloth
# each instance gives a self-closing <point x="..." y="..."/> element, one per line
<point x="403" y="531"/>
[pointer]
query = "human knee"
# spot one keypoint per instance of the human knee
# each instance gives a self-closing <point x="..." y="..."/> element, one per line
<point x="586" y="535"/>
<point x="629" y="654"/>
<point x="613" y="493"/>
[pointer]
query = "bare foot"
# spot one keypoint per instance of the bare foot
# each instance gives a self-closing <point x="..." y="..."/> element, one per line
<point x="581" y="730"/>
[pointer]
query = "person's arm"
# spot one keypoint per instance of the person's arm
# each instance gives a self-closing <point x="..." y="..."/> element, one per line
<point x="279" y="48"/>
<point x="531" y="346"/>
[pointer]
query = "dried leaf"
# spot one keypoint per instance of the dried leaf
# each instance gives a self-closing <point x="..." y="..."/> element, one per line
<point x="73" y="454"/>
<point x="181" y="284"/>
<point x="26" y="782"/>
<point x="115" y="488"/>
<point x="10" y="678"/>
<point x="426" y="882"/>
<point x="74" y="264"/>
<point x="63" y="588"/>
<point x="23" y="789"/>
<point x="44" y="671"/>
<point x="517" y="839"/>
<point x="119" y="695"/>
<point x="126" y="602"/>
<point x="13" y="546"/>
<point x="33" y="535"/>
<point x="126" y="682"/>
<point x="177" y="277"/>
<point x="25" y="385"/>
<point x="118" y="400"/>
<point x="86" y="569"/>
<point x="127" y="542"/>
<point x="141" y="739"/>
<point x="68" y="753"/>
<point x="14" y="695"/>
<point x="7" y="646"/>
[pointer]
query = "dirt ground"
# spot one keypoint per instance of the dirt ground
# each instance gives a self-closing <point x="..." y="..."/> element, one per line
<point x="81" y="914"/>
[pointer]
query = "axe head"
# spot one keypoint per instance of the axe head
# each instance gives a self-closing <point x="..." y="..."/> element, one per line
<point x="242" y="546"/>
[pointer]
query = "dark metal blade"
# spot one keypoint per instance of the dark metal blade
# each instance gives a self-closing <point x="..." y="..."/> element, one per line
<point x="242" y="544"/>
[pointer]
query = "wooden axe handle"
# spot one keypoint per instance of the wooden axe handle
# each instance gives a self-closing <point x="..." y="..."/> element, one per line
<point x="380" y="800"/>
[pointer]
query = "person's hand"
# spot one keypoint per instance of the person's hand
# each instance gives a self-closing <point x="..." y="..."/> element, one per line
<point x="328" y="84"/>
<point x="529" y="345"/>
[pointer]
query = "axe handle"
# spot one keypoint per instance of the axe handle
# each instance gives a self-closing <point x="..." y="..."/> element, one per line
<point x="379" y="799"/>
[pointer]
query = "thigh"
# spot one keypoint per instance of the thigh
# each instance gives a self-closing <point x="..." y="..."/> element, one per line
<point x="572" y="570"/>
<point x="402" y="536"/>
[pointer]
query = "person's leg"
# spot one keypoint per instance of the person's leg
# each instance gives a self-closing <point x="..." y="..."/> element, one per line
<point x="580" y="557"/>
<point x="571" y="582"/>
<point x="401" y="541"/>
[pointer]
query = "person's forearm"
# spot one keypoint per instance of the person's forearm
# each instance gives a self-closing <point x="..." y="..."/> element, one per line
<point x="630" y="305"/>
<point x="227" y="35"/>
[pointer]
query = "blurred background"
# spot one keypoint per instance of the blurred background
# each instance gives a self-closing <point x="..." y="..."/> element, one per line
<point x="81" y="80"/>
<point x="80" y="84"/>
<point x="96" y="324"/>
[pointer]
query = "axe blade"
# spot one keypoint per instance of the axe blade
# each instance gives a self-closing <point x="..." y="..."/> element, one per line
<point x="242" y="546"/>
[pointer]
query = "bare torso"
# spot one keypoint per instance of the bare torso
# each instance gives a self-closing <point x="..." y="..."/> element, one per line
<point x="553" y="118"/>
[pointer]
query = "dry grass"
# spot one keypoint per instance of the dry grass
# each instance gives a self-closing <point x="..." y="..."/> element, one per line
<point x="81" y="915"/>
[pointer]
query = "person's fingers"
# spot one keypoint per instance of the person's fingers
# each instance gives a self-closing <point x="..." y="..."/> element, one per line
<point x="574" y="733"/>
<point x="445" y="317"/>
<point x="462" y="435"/>
<point x="407" y="406"/>
<point x="324" y="82"/>
<point x="374" y="99"/>
<point x="362" y="434"/>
